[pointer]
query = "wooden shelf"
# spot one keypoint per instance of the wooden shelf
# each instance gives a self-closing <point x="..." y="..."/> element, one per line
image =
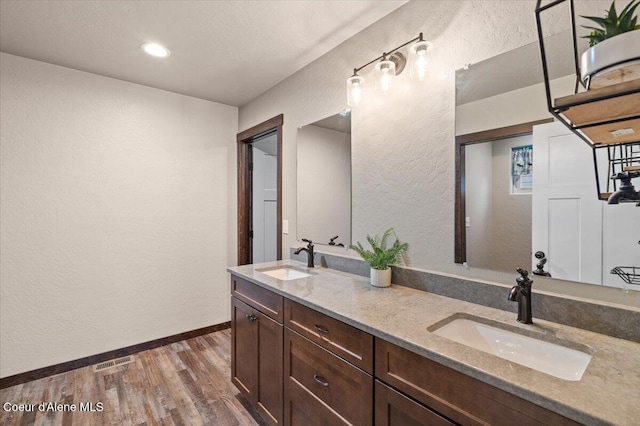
<point x="594" y="110"/>
<point x="602" y="134"/>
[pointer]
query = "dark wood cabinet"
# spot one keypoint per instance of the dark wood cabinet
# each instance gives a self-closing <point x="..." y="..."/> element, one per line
<point x="455" y="395"/>
<point x="256" y="359"/>
<point x="341" y="339"/>
<point x="317" y="378"/>
<point x="244" y="365"/>
<point x="266" y="301"/>
<point x="301" y="407"/>
<point x="298" y="366"/>
<point x="395" y="409"/>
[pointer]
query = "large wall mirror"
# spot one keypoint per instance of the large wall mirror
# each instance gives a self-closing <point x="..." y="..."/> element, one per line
<point x="525" y="185"/>
<point x="324" y="180"/>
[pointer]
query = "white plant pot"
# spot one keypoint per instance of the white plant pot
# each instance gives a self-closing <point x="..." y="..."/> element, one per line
<point x="381" y="277"/>
<point x="612" y="61"/>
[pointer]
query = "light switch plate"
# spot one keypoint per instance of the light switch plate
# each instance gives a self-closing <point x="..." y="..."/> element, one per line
<point x="467" y="222"/>
<point x="285" y="226"/>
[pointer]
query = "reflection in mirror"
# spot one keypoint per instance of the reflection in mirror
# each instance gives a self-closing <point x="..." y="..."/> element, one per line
<point x="526" y="190"/>
<point x="324" y="180"/>
<point x="499" y="227"/>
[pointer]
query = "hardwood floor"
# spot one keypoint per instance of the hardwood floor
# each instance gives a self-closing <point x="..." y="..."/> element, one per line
<point x="185" y="383"/>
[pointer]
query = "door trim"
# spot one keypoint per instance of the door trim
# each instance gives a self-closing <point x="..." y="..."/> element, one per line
<point x="244" y="138"/>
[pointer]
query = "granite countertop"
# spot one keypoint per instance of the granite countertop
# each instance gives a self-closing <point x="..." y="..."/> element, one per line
<point x="608" y="393"/>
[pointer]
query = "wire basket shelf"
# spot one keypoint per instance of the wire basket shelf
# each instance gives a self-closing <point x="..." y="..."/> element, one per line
<point x="628" y="274"/>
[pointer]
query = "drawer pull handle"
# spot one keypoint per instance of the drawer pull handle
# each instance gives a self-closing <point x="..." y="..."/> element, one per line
<point x="321" y="329"/>
<point x="320" y="380"/>
<point x="251" y="317"/>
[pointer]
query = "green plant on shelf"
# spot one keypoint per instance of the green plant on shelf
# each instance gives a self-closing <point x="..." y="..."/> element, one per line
<point x="381" y="256"/>
<point x="613" y="24"/>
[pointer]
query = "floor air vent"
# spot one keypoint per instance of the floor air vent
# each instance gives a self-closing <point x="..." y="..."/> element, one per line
<point x="112" y="363"/>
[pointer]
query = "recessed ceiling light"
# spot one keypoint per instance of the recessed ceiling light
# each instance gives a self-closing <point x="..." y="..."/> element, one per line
<point x="154" y="49"/>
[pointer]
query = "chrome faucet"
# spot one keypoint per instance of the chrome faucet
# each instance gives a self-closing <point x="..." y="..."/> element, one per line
<point x="309" y="250"/>
<point x="521" y="293"/>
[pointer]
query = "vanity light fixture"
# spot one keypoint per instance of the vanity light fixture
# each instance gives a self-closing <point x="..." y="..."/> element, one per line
<point x="385" y="73"/>
<point x="418" y="59"/>
<point x="388" y="66"/>
<point x="354" y="89"/>
<point x="155" y="49"/>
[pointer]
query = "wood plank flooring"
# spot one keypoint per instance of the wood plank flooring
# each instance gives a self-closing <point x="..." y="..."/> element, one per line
<point x="185" y="383"/>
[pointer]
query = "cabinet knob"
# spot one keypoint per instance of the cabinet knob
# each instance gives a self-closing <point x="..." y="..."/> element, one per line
<point x="321" y="329"/>
<point x="251" y="317"/>
<point x="320" y="380"/>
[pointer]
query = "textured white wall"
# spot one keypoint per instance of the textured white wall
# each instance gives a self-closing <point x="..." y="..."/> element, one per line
<point x="402" y="145"/>
<point x="117" y="213"/>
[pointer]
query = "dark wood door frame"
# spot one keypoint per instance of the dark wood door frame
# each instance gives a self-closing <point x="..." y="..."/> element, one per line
<point x="245" y="193"/>
<point x="470" y="139"/>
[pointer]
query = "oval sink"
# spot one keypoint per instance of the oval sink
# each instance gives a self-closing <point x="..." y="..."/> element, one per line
<point x="555" y="359"/>
<point x="284" y="273"/>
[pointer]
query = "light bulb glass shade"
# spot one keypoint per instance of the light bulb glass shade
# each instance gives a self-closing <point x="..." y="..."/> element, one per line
<point x="355" y="84"/>
<point x="155" y="49"/>
<point x="419" y="60"/>
<point x="385" y="73"/>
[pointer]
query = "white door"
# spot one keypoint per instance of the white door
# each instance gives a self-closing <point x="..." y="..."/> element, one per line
<point x="265" y="168"/>
<point x="621" y="236"/>
<point x="567" y="215"/>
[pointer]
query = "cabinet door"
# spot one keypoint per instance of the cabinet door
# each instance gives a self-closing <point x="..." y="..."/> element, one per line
<point x="394" y="409"/>
<point x="269" y="393"/>
<point x="244" y="354"/>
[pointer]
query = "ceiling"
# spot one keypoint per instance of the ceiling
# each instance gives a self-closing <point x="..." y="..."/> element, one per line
<point x="223" y="51"/>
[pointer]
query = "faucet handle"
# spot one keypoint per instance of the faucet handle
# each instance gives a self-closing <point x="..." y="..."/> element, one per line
<point x="523" y="279"/>
<point x="307" y="241"/>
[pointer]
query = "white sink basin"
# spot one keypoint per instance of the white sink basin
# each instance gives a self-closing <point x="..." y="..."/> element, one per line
<point x="550" y="358"/>
<point x="284" y="273"/>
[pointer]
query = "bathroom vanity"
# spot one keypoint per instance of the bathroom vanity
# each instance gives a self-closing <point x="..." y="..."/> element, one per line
<point x="319" y="346"/>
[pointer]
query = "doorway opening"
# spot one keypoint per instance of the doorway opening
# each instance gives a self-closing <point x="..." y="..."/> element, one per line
<point x="462" y="143"/>
<point x="260" y="192"/>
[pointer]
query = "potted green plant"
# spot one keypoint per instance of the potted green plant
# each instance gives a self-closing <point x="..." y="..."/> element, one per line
<point x="381" y="257"/>
<point x="614" y="53"/>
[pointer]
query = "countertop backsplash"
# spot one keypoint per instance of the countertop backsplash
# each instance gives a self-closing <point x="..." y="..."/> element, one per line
<point x="605" y="318"/>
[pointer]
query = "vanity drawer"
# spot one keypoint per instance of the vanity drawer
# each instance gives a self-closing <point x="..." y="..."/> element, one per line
<point x="267" y="302"/>
<point x="339" y="385"/>
<point x="346" y="341"/>
<point x="455" y="395"/>
<point x="395" y="409"/>
<point x="301" y="407"/>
